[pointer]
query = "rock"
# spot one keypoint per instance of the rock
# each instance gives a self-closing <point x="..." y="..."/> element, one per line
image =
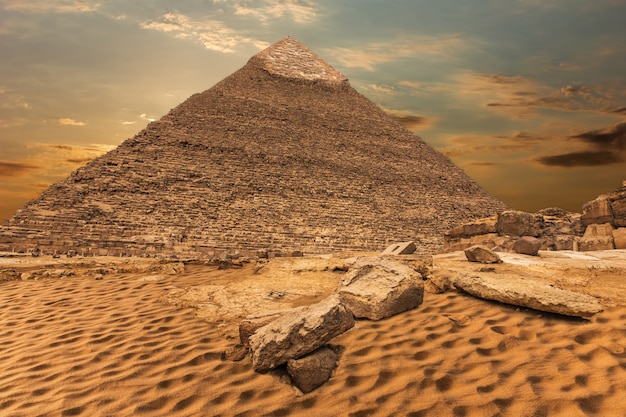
<point x="532" y="293"/>
<point x="565" y="242"/>
<point x="312" y="370"/>
<point x="478" y="253"/>
<point x="484" y="226"/>
<point x="519" y="223"/>
<point x="618" y="207"/>
<point x="250" y="324"/>
<point x="376" y="288"/>
<point x="404" y="248"/>
<point x="619" y="238"/>
<point x="299" y="332"/>
<point x="527" y="245"/>
<point x="437" y="283"/>
<point x="597" y="211"/>
<point x="235" y="354"/>
<point x="597" y="237"/>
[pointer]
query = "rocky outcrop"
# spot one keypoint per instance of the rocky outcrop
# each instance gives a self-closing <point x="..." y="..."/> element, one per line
<point x="313" y="370"/>
<point x="481" y="254"/>
<point x="376" y="288"/>
<point x="597" y="237"/>
<point x="298" y="333"/>
<point x="556" y="229"/>
<point x="535" y="294"/>
<point x="607" y="208"/>
<point x="619" y="238"/>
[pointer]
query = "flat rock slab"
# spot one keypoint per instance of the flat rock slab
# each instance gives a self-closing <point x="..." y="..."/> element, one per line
<point x="530" y="293"/>
<point x="298" y="332"/>
<point x="403" y="248"/>
<point x="376" y="288"/>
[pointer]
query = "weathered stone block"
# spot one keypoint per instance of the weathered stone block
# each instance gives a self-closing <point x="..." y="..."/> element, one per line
<point x="527" y="245"/>
<point x="597" y="237"/>
<point x="476" y="227"/>
<point x="377" y="288"/>
<point x="565" y="242"/>
<point x="597" y="211"/>
<point x="403" y="248"/>
<point x="299" y="332"/>
<point x="619" y="238"/>
<point x="313" y="370"/>
<point x="519" y="223"/>
<point x="482" y="255"/>
<point x="618" y="208"/>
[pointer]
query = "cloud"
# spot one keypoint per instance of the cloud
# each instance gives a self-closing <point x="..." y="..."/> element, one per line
<point x="621" y="110"/>
<point x="515" y="144"/>
<point x="605" y="146"/>
<point x="10" y="100"/>
<point x="71" y="122"/>
<point x="145" y="117"/>
<point x="399" y="48"/>
<point x="385" y="89"/>
<point x="611" y="138"/>
<point x="581" y="159"/>
<point x="519" y="97"/>
<point x="51" y="6"/>
<point x="13" y="169"/>
<point x="422" y="88"/>
<point x="211" y="34"/>
<point x="124" y="122"/>
<point x="300" y="11"/>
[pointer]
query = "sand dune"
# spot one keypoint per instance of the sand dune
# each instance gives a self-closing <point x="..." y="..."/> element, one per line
<point x="78" y="346"/>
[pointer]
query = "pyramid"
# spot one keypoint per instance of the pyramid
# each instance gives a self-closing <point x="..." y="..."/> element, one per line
<point x="281" y="156"/>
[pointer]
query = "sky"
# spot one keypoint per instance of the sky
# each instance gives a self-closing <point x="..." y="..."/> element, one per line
<point x="527" y="96"/>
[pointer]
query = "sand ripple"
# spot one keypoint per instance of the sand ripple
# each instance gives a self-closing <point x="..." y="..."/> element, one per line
<point x="81" y="347"/>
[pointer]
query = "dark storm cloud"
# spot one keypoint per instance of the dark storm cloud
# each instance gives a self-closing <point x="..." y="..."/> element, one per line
<point x="410" y="122"/>
<point x="621" y="110"/>
<point x="611" y="138"/>
<point x="13" y="169"/>
<point x="79" y="161"/>
<point x="581" y="159"/>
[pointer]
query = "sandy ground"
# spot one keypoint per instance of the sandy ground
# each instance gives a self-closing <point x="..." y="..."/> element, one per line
<point x="77" y="346"/>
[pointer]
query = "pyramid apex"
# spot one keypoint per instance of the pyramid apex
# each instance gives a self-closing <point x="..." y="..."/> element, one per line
<point x="291" y="59"/>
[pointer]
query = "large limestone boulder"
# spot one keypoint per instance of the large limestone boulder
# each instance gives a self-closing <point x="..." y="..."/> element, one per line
<point x="526" y="292"/>
<point x="607" y="208"/>
<point x="519" y="223"/>
<point x="597" y="211"/>
<point x="312" y="370"/>
<point x="597" y="237"/>
<point x="481" y="254"/>
<point x="527" y="245"/>
<point x="619" y="238"/>
<point x="618" y="206"/>
<point x="298" y="332"/>
<point x="377" y="287"/>
<point x="476" y="227"/>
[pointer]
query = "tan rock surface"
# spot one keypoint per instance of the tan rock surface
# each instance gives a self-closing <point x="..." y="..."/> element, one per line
<point x="282" y="155"/>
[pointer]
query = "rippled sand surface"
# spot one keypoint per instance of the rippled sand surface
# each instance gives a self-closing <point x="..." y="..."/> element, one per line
<point x="77" y="346"/>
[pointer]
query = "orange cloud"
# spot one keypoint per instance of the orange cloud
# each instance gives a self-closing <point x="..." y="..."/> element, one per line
<point x="399" y="48"/>
<point x="13" y="169"/>
<point x="70" y="122"/>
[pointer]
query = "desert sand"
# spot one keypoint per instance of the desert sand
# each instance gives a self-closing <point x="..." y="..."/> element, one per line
<point x="77" y="346"/>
